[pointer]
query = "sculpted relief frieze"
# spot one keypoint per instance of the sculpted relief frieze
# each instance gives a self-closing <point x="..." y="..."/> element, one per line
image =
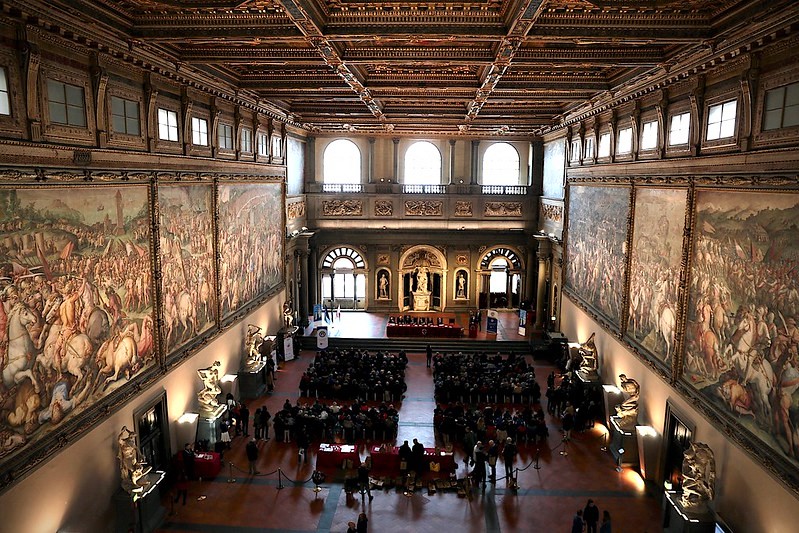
<point x="503" y="209"/>
<point x="424" y="208"/>
<point x="295" y="210"/>
<point x="342" y="208"/>
<point x="463" y="209"/>
<point x="384" y="208"/>
<point x="552" y="212"/>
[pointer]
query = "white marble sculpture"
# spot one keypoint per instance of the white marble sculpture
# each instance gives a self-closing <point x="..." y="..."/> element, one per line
<point x="627" y="411"/>
<point x="588" y="361"/>
<point x="698" y="476"/>
<point x="207" y="397"/>
<point x="132" y="467"/>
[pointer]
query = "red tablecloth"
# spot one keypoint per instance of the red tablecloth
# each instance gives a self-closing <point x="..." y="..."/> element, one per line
<point x="415" y="330"/>
<point x="387" y="462"/>
<point x="207" y="464"/>
<point x="332" y="456"/>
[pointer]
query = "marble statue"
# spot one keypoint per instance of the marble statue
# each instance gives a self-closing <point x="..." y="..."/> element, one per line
<point x="588" y="361"/>
<point x="208" y="395"/>
<point x="131" y="464"/>
<point x="252" y="341"/>
<point x="421" y="280"/>
<point x="698" y="476"/>
<point x="627" y="411"/>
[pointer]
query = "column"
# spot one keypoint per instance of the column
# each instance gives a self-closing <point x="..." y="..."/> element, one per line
<point x="313" y="277"/>
<point x="451" y="160"/>
<point x="302" y="255"/>
<point x="371" y="170"/>
<point x="475" y="146"/>
<point x="310" y="161"/>
<point x="395" y="177"/>
<point x="540" y="294"/>
<point x="529" y="278"/>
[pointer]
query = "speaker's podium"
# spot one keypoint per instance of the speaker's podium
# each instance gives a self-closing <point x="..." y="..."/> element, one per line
<point x="677" y="519"/>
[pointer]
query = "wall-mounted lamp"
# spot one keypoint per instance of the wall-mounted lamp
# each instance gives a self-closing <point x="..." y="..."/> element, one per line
<point x="188" y="418"/>
<point x="611" y="389"/>
<point x="228" y="378"/>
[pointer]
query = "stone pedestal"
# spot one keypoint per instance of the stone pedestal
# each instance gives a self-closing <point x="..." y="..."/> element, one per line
<point x="623" y="438"/>
<point x="209" y="426"/>
<point x="252" y="381"/>
<point x="146" y="513"/>
<point x="677" y="519"/>
<point x="421" y="301"/>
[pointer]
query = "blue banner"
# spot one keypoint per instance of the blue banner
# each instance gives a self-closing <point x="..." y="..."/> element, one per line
<point x="491" y="322"/>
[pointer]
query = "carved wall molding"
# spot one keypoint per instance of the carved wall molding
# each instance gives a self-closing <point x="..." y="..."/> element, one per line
<point x="462" y="259"/>
<point x="384" y="208"/>
<point x="383" y="259"/>
<point x="463" y="209"/>
<point x="502" y="209"/>
<point x="295" y="210"/>
<point x="552" y="212"/>
<point x="424" y="208"/>
<point x="342" y="208"/>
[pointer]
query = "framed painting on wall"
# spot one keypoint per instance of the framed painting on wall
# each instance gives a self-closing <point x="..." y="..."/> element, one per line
<point x="655" y="270"/>
<point x="188" y="280"/>
<point x="76" y="308"/>
<point x="596" y="248"/>
<point x="741" y="341"/>
<point x="251" y="229"/>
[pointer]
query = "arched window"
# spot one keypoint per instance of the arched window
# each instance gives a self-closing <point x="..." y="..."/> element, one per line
<point x="501" y="165"/>
<point x="343" y="280"/>
<point x="422" y="164"/>
<point x="342" y="162"/>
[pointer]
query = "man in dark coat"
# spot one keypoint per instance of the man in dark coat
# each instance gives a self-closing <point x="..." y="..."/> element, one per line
<point x="590" y="516"/>
<point x="417" y="464"/>
<point x="244" y="413"/>
<point x="252" y="455"/>
<point x="429" y="356"/>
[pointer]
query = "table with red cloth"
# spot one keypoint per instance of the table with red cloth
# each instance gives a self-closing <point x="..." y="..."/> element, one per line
<point x="333" y="455"/>
<point x="207" y="464"/>
<point x="426" y="330"/>
<point x="386" y="461"/>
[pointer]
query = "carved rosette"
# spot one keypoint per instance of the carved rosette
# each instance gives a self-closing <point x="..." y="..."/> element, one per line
<point x="384" y="208"/>
<point x="462" y="259"/>
<point x="502" y="209"/>
<point x="295" y="210"/>
<point x="342" y="208"/>
<point x="463" y="209"/>
<point x="424" y="208"/>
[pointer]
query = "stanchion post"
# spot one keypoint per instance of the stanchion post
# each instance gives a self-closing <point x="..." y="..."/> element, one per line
<point x="565" y="451"/>
<point x="618" y="460"/>
<point x="230" y="478"/>
<point x="604" y="446"/>
<point x="537" y="457"/>
<point x="279" y="479"/>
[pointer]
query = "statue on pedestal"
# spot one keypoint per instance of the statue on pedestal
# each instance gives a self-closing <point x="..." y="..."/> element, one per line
<point x="131" y="464"/>
<point x="252" y="341"/>
<point x="421" y="280"/>
<point x="588" y="361"/>
<point x="698" y="476"/>
<point x="627" y="411"/>
<point x="208" y="396"/>
<point x="288" y="314"/>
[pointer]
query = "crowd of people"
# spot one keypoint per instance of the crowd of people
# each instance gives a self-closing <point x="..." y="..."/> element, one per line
<point x="473" y="378"/>
<point x="464" y="425"/>
<point x="575" y="405"/>
<point x="353" y="374"/>
<point x="320" y="422"/>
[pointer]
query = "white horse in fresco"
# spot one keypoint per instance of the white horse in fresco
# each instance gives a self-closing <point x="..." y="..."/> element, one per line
<point x="21" y="349"/>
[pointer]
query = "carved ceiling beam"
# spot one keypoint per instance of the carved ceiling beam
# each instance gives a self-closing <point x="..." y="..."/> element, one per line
<point x="300" y="12"/>
<point x="526" y="16"/>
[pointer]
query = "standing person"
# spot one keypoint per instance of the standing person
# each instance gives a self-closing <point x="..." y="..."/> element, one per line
<point x="244" y="412"/>
<point x="493" y="455"/>
<point x="188" y="461"/>
<point x="605" y="527"/>
<point x="351" y="527"/>
<point x="224" y="434"/>
<point x="405" y="456"/>
<point x="258" y="424"/>
<point x="302" y="444"/>
<point x="577" y="522"/>
<point x="429" y="356"/>
<point x="509" y="456"/>
<point x="363" y="480"/>
<point x="479" y="472"/>
<point x="469" y="442"/>
<point x="265" y="417"/>
<point x="590" y="516"/>
<point x="182" y="487"/>
<point x="363" y="523"/>
<point x="568" y="423"/>
<point x="418" y="457"/>
<point x="252" y="455"/>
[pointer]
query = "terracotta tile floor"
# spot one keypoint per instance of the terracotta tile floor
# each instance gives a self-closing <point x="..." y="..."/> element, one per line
<point x="546" y="500"/>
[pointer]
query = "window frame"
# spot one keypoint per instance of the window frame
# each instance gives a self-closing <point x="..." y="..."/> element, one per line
<point x="515" y="181"/>
<point x="167" y="125"/>
<point x="51" y="82"/>
<point x="6" y="91"/>
<point x="780" y="136"/>
<point x="265" y="138"/>
<point x="224" y="137"/>
<point x="589" y="155"/>
<point x="245" y="143"/>
<point x="624" y="133"/>
<point x="722" y="106"/>
<point x="575" y="152"/>
<point x="195" y="131"/>
<point x="672" y="145"/>
<point x="654" y="124"/>
<point x="720" y="97"/>
<point x="599" y="155"/>
<point x="358" y="168"/>
<point x="126" y="119"/>
<point x="63" y="133"/>
<point x="416" y="142"/>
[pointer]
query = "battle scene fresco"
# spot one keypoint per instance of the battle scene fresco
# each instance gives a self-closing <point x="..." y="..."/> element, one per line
<point x="655" y="269"/>
<point x="76" y="310"/>
<point x="187" y="262"/>
<point x="741" y="334"/>
<point x="596" y="244"/>
<point x="250" y="242"/>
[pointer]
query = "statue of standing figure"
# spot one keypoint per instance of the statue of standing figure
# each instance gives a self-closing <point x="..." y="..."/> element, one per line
<point x="208" y="395"/>
<point x="698" y="476"/>
<point x="131" y="464"/>
<point x="421" y="280"/>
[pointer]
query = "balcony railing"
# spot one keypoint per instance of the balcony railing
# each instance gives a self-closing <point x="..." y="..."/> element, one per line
<point x="504" y="189"/>
<point x="431" y="189"/>
<point x="424" y="189"/>
<point x="342" y="187"/>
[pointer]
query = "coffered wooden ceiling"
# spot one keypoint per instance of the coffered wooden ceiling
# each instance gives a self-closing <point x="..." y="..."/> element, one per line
<point x="481" y="67"/>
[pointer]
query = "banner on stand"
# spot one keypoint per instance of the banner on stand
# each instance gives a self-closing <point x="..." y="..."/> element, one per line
<point x="321" y="337"/>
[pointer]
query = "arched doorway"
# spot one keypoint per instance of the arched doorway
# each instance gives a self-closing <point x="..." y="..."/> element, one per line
<point x="501" y="279"/>
<point x="343" y="279"/>
<point x="422" y="271"/>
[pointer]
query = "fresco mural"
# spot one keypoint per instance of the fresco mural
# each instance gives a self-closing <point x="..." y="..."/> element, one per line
<point x="596" y="244"/>
<point x="741" y="334"/>
<point x="76" y="311"/>
<point x="251" y="238"/>
<point x="187" y="262"/>
<point x="655" y="269"/>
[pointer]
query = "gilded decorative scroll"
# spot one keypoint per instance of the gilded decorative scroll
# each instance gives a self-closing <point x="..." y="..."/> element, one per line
<point x="424" y="208"/>
<point x="295" y="210"/>
<point x="463" y="209"/>
<point x="502" y="209"/>
<point x="342" y="208"/>
<point x="384" y="208"/>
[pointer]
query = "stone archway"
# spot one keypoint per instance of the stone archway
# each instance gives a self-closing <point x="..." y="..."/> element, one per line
<point x="422" y="271"/>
